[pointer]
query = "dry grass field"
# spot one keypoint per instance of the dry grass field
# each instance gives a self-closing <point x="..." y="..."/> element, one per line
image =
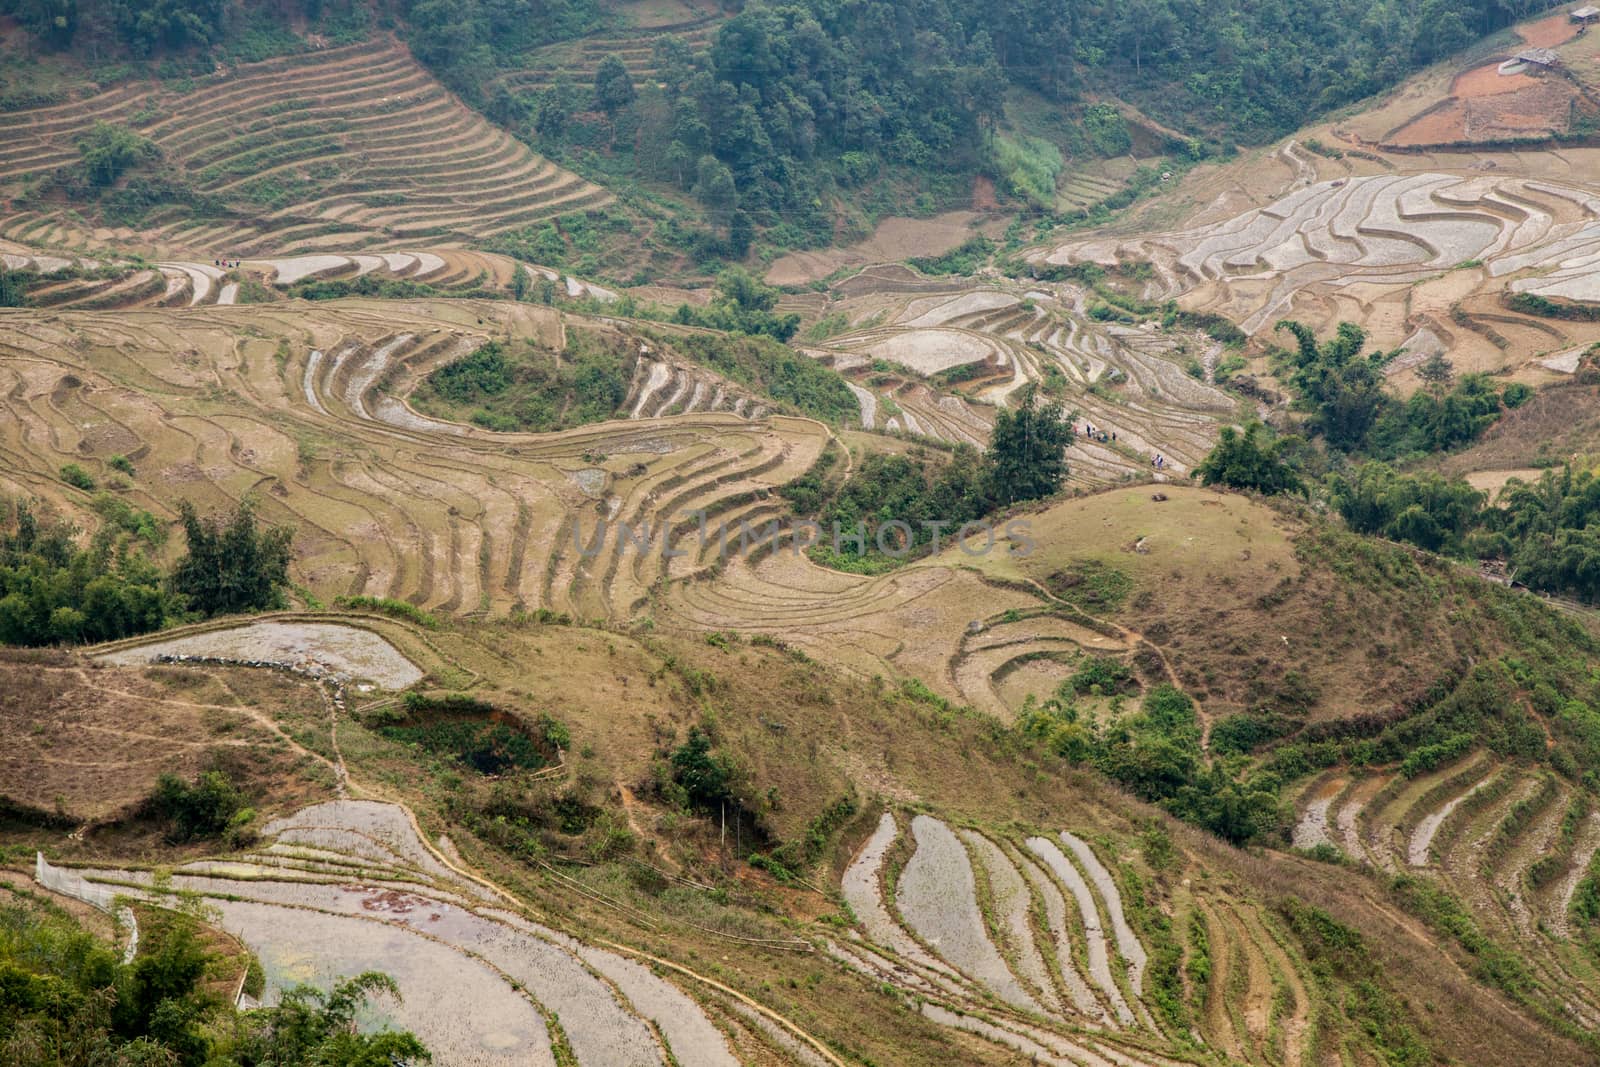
<point x="300" y="407"/>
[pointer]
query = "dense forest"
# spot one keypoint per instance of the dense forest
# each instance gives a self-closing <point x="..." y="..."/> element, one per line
<point x="796" y="100"/>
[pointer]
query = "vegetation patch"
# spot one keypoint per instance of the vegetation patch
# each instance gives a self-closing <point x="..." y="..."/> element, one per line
<point x="472" y="733"/>
<point x="520" y="386"/>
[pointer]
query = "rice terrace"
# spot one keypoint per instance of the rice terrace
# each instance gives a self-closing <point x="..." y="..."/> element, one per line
<point x="712" y="532"/>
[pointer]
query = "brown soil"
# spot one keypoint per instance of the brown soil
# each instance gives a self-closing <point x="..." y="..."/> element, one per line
<point x="1444" y="126"/>
<point x="894" y="240"/>
<point x="983" y="198"/>
<point x="88" y="743"/>
<point x="1549" y="32"/>
<point x="1488" y="81"/>
<point x="1485" y="105"/>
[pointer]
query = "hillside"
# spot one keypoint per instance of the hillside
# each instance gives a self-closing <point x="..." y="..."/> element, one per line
<point x="344" y="147"/>
<point x="429" y="438"/>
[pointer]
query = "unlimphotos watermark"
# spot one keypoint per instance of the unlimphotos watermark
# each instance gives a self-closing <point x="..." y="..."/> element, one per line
<point x="692" y="533"/>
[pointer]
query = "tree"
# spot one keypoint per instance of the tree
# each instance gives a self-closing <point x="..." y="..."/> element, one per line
<point x="613" y="86"/>
<point x="232" y="567"/>
<point x="1341" y="388"/>
<point x="312" y="1027"/>
<point x="715" y="188"/>
<point x="706" y="777"/>
<point x="1436" y="371"/>
<point x="1251" y="460"/>
<point x="1027" y="449"/>
<point x="108" y="150"/>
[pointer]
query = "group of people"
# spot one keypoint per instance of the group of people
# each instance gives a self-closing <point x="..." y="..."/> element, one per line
<point x="226" y="264"/>
<point x="1098" y="435"/>
<point x="1105" y="438"/>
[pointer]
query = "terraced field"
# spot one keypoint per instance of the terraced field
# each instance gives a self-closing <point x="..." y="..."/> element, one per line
<point x="304" y="410"/>
<point x="906" y="329"/>
<point x="1027" y="943"/>
<point x="344" y="148"/>
<point x="1421" y="258"/>
<point x="352" y="885"/>
<point x="576" y="63"/>
<point x="106" y="283"/>
<point x="1510" y="842"/>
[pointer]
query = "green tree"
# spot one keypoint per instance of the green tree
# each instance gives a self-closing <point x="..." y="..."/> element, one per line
<point x="309" y="1026"/>
<point x="232" y="566"/>
<point x="1424" y="509"/>
<point x="1341" y="388"/>
<point x="53" y="591"/>
<point x="1254" y="459"/>
<point x="706" y="777"/>
<point x="613" y="86"/>
<point x="1436" y="371"/>
<point x="108" y="150"/>
<point x="1027" y="449"/>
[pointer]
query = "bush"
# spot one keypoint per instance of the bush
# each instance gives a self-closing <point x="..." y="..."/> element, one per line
<point x="1103" y="676"/>
<point x="204" y="809"/>
<point x="77" y="477"/>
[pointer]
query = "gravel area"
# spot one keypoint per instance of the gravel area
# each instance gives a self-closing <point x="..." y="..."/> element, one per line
<point x="1422" y="837"/>
<point x="936" y="311"/>
<point x="366" y="375"/>
<point x="464" y="1012"/>
<point x="289" y="271"/>
<point x="869" y="405"/>
<point x="1312" y="829"/>
<point x="694" y="1040"/>
<point x="863" y="893"/>
<point x="1013" y="905"/>
<point x="460" y="964"/>
<point x="929" y="351"/>
<point x="372" y="820"/>
<point x="1055" y="911"/>
<point x="344" y="649"/>
<point x="660" y="374"/>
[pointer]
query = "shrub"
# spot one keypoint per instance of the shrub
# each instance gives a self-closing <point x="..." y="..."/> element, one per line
<point x="204" y="809"/>
<point x="77" y="477"/>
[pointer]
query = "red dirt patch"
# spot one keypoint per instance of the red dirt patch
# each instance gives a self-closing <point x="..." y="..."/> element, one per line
<point x="1485" y="105"/>
<point x="1547" y="33"/>
<point x="1488" y="81"/>
<point x="1442" y="126"/>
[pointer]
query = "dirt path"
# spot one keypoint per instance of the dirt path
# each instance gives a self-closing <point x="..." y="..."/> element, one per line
<point x="255" y="715"/>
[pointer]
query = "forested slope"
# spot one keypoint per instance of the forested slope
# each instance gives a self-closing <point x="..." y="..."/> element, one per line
<point x="775" y="117"/>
